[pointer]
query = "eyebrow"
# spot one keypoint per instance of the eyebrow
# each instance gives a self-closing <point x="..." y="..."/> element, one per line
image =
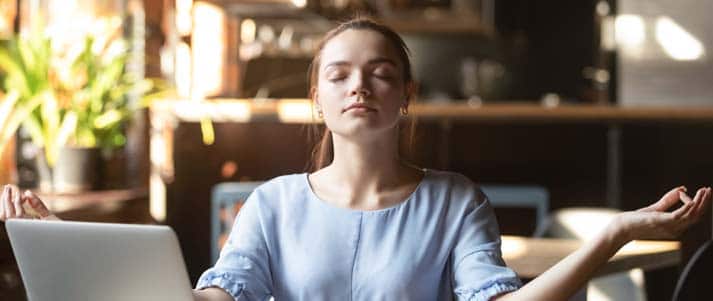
<point x="375" y="61"/>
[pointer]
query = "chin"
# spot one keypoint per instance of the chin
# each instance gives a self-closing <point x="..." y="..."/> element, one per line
<point x="361" y="129"/>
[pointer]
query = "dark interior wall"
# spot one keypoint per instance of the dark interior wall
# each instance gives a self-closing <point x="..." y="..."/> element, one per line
<point x="558" y="39"/>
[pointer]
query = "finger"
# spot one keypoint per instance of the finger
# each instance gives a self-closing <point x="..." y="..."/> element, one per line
<point x="5" y="195"/>
<point x="669" y="199"/>
<point x="17" y="203"/>
<point x="683" y="210"/>
<point x="9" y="208"/>
<point x="702" y="204"/>
<point x="697" y="200"/>
<point x="37" y="204"/>
<point x="684" y="197"/>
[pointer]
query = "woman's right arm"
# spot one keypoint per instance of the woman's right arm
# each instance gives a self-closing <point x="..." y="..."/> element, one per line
<point x="652" y="222"/>
<point x="14" y="204"/>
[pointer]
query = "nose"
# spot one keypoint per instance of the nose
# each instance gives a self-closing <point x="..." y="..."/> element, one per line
<point x="359" y="87"/>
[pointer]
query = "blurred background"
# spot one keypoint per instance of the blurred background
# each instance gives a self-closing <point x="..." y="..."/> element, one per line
<point x="133" y="111"/>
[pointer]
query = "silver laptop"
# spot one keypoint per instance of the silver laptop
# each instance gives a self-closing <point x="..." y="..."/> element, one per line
<point x="81" y="261"/>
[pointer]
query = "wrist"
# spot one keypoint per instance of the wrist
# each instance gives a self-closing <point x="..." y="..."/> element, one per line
<point x="617" y="233"/>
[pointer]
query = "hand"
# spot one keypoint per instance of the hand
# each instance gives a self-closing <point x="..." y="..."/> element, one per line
<point x="14" y="204"/>
<point x="654" y="222"/>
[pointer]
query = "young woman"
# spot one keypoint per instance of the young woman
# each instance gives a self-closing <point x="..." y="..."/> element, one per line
<point x="367" y="226"/>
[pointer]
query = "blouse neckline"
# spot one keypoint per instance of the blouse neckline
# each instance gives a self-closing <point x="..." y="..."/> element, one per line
<point x="396" y="206"/>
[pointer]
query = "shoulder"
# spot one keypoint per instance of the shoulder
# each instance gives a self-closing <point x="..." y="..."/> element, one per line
<point x="451" y="182"/>
<point x="278" y="194"/>
<point x="282" y="184"/>
<point x="459" y="189"/>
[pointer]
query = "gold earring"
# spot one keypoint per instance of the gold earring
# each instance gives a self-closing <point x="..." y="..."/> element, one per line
<point x="319" y="114"/>
<point x="404" y="110"/>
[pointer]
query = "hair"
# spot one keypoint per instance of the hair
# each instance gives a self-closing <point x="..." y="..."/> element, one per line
<point x="323" y="150"/>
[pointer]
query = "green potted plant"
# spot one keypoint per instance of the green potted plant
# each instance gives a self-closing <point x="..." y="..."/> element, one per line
<point x="78" y="101"/>
<point x="25" y="67"/>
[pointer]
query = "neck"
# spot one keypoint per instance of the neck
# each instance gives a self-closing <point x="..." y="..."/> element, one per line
<point x="371" y="164"/>
<point x="365" y="175"/>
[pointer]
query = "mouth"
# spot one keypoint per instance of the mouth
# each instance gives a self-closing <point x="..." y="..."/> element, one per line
<point x="359" y="107"/>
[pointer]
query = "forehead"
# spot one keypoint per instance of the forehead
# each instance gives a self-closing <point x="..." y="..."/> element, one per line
<point x="358" y="45"/>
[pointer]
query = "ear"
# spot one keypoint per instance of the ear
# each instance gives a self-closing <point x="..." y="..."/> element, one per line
<point x="411" y="89"/>
<point x="313" y="96"/>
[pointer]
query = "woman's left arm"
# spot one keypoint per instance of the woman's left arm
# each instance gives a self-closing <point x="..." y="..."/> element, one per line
<point x="652" y="222"/>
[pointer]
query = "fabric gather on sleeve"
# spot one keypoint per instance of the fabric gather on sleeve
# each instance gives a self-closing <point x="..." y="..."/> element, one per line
<point x="223" y="281"/>
<point x="489" y="291"/>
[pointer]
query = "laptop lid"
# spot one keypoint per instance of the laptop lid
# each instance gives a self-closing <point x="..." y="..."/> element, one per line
<point x="77" y="261"/>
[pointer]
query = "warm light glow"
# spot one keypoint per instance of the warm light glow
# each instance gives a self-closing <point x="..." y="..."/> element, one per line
<point x="209" y="51"/>
<point x="601" y="288"/>
<point x="585" y="224"/>
<point x="184" y="22"/>
<point x="629" y="30"/>
<point x="248" y="28"/>
<point x="157" y="197"/>
<point x="63" y="9"/>
<point x="235" y="111"/>
<point x="513" y="247"/>
<point x="217" y="111"/>
<point x="284" y="41"/>
<point x="183" y="70"/>
<point x="299" y="3"/>
<point x="295" y="111"/>
<point x="69" y="22"/>
<point x="676" y="41"/>
<point x="607" y="33"/>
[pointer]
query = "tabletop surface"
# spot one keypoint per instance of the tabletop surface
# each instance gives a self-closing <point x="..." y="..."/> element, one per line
<point x="530" y="257"/>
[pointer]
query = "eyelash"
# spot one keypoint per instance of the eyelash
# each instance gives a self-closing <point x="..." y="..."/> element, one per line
<point x="377" y="75"/>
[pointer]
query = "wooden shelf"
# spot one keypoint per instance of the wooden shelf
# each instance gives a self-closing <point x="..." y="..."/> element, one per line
<point x="104" y="200"/>
<point x="276" y="110"/>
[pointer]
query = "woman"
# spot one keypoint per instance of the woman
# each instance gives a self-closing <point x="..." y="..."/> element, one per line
<point x="367" y="226"/>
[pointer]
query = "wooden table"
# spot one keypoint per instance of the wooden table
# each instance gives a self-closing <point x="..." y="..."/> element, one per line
<point x="530" y="257"/>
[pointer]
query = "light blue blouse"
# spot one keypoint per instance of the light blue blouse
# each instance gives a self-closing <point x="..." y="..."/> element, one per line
<point x="442" y="243"/>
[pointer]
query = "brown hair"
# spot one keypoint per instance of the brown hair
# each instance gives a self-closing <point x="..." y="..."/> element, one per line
<point x="323" y="152"/>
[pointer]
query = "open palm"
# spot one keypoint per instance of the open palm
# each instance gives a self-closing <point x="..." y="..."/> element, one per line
<point x="656" y="222"/>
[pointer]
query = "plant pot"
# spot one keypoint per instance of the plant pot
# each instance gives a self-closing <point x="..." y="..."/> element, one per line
<point x="113" y="169"/>
<point x="76" y="170"/>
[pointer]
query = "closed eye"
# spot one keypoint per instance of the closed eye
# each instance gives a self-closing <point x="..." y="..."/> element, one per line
<point x="383" y="72"/>
<point x="335" y="79"/>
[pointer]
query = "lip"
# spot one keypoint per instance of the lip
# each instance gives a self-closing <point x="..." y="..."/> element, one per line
<point x="360" y="107"/>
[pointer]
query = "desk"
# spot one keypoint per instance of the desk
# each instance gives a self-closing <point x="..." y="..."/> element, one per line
<point x="530" y="257"/>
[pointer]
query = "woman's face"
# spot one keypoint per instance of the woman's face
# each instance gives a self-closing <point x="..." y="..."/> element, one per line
<point x="360" y="87"/>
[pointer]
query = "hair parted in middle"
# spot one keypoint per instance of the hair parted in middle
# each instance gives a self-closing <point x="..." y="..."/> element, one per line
<point x="323" y="151"/>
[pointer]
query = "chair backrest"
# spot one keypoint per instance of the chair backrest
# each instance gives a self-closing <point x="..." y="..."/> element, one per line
<point x="226" y="200"/>
<point x="695" y="280"/>
<point x="530" y="196"/>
